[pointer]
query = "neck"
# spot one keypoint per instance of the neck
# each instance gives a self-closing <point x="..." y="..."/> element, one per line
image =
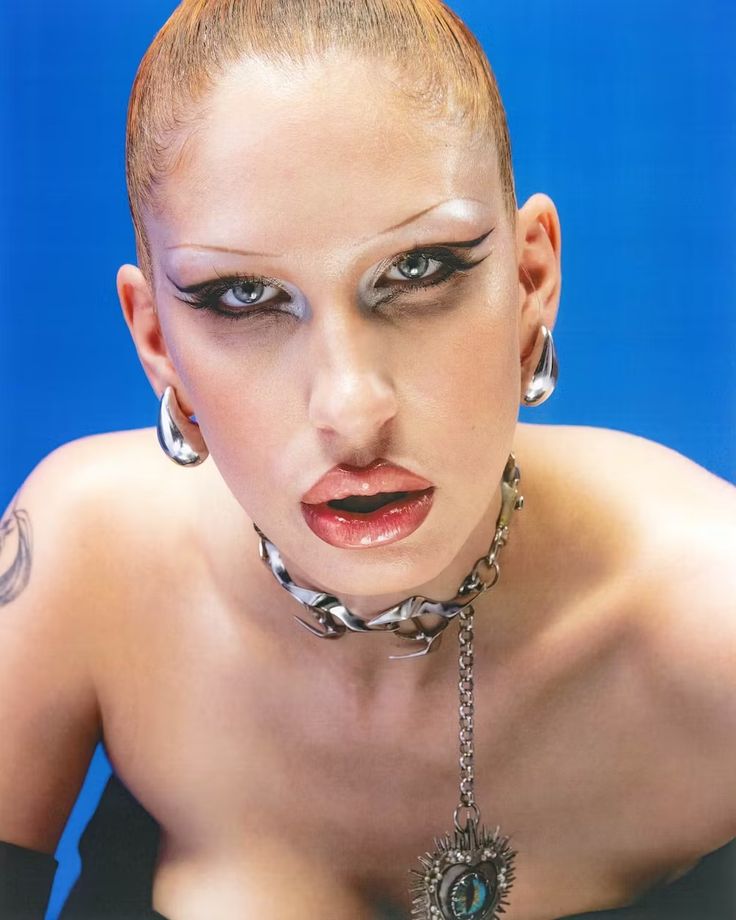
<point x="442" y="592"/>
<point x="253" y="588"/>
<point x="443" y="587"/>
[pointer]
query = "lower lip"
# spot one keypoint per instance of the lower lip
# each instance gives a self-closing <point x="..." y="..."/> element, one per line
<point x="388" y="524"/>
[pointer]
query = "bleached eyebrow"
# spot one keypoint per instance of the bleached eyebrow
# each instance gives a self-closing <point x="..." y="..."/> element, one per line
<point x="403" y="223"/>
<point x="240" y="252"/>
<point x="409" y="220"/>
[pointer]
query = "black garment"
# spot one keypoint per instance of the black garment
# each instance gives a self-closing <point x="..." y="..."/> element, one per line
<point x="118" y="851"/>
<point x="706" y="892"/>
<point x="26" y="877"/>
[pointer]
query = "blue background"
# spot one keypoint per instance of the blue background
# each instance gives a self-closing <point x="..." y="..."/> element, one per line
<point x="624" y="112"/>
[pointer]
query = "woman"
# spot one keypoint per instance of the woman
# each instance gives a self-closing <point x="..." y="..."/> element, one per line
<point x="337" y="298"/>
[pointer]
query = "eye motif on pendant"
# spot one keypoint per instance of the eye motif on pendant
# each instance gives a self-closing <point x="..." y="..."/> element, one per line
<point x="468" y="877"/>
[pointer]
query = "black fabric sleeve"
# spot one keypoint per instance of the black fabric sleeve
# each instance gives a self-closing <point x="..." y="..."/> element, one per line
<point x="26" y="877"/>
<point x="118" y="851"/>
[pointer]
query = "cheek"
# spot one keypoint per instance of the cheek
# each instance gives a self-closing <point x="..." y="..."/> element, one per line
<point x="466" y="372"/>
<point x="246" y="421"/>
<point x="469" y="396"/>
<point x="231" y="383"/>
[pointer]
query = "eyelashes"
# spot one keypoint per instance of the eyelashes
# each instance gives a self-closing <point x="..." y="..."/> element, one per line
<point x="239" y="296"/>
<point x="209" y="295"/>
<point x="451" y="263"/>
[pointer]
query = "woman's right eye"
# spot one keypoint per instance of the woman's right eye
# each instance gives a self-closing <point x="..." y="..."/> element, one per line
<point x="247" y="293"/>
<point x="235" y="297"/>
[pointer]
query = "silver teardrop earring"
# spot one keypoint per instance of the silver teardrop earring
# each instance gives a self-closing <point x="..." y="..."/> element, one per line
<point x="179" y="437"/>
<point x="544" y="378"/>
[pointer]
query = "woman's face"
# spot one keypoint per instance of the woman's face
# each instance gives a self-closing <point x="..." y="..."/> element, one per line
<point x="317" y="183"/>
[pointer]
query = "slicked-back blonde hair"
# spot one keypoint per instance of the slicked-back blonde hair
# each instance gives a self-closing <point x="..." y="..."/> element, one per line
<point x="442" y="62"/>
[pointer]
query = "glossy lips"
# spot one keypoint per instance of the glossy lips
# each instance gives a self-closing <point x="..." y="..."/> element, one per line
<point x="391" y="522"/>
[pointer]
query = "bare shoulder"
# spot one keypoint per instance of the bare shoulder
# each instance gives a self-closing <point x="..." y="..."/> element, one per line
<point x="109" y="499"/>
<point x="674" y="509"/>
<point x="673" y="524"/>
<point x="672" y="521"/>
<point x="88" y="462"/>
<point x="69" y="489"/>
<point x="118" y="466"/>
<point x="93" y="545"/>
<point x="74" y="541"/>
<point x="620" y="457"/>
<point x="684" y="516"/>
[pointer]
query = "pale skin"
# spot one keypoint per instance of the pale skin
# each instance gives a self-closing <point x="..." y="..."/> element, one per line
<point x="605" y="655"/>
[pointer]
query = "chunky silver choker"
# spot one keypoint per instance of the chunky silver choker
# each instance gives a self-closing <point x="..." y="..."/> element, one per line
<point x="332" y="619"/>
<point x="470" y="872"/>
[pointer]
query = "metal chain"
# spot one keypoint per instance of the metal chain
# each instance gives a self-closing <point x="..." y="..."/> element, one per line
<point x="467" y="808"/>
<point x="334" y="618"/>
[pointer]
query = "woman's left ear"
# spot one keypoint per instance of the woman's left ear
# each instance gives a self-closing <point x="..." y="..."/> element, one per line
<point x="538" y="247"/>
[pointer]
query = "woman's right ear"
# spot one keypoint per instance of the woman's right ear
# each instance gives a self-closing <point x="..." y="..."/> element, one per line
<point x="141" y="317"/>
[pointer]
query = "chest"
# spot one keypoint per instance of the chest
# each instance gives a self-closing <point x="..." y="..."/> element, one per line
<point x="222" y="747"/>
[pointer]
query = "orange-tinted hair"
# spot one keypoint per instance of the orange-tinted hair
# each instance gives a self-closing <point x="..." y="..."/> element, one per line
<point x="447" y="71"/>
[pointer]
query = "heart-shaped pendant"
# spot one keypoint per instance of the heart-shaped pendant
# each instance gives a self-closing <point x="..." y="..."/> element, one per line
<point x="468" y="877"/>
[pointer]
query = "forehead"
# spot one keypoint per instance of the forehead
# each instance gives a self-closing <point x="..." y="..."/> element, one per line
<point x="325" y="154"/>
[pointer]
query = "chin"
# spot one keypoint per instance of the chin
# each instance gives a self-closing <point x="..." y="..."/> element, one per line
<point x="378" y="577"/>
<point x="431" y="559"/>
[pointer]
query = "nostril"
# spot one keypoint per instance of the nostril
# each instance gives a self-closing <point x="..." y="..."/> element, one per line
<point x="353" y="404"/>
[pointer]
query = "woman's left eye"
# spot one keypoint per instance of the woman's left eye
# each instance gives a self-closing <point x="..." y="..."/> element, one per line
<point x="423" y="268"/>
<point x="414" y="265"/>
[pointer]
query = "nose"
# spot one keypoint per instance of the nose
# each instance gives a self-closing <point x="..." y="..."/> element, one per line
<point x="352" y="395"/>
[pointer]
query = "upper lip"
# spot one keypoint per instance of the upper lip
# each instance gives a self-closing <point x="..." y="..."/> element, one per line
<point x="380" y="476"/>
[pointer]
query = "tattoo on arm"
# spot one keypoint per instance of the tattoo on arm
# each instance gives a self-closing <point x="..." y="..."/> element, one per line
<point x="16" y="545"/>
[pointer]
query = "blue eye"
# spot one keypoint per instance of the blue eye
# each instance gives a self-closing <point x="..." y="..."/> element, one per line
<point x="247" y="293"/>
<point x="415" y="271"/>
<point x="237" y="297"/>
<point x="416" y="264"/>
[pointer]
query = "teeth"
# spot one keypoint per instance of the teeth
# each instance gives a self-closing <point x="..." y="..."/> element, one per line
<point x="363" y="504"/>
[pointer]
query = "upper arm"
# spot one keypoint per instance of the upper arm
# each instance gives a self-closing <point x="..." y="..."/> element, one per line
<point x="49" y="721"/>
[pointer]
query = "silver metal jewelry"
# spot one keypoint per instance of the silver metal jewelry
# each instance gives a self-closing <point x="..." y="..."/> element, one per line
<point x="544" y="378"/>
<point x="179" y="437"/>
<point x="332" y="619"/>
<point x="471" y="871"/>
